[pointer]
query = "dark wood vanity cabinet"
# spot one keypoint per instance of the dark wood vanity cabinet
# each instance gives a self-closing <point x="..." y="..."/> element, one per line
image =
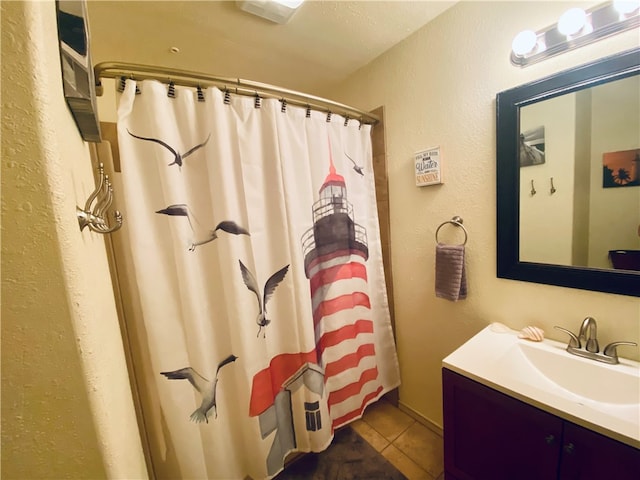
<point x="491" y="436"/>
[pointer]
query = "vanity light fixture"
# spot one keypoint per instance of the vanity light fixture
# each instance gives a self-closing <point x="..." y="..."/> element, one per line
<point x="572" y="22"/>
<point x="626" y="7"/>
<point x="277" y="11"/>
<point x="524" y="42"/>
<point x="575" y="28"/>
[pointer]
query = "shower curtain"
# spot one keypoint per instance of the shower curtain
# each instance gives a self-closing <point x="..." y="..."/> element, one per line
<point x="256" y="254"/>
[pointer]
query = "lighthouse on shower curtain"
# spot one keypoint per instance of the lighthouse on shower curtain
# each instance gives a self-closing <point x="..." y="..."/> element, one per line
<point x="335" y="251"/>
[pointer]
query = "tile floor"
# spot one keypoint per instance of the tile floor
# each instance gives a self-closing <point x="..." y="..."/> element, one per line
<point x="411" y="447"/>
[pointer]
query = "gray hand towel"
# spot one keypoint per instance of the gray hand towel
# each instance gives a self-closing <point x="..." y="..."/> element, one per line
<point x="451" y="277"/>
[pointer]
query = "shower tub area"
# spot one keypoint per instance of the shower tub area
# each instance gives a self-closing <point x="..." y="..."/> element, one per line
<point x="250" y="270"/>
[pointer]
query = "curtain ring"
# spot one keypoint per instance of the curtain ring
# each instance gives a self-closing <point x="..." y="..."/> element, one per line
<point x="171" y="91"/>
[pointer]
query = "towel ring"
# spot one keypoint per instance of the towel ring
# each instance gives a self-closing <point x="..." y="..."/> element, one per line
<point x="457" y="221"/>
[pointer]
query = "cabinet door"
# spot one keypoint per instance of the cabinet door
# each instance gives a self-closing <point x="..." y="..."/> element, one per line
<point x="587" y="455"/>
<point x="491" y="436"/>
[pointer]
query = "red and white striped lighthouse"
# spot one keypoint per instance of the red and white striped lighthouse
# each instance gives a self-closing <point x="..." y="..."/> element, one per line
<point x="335" y="251"/>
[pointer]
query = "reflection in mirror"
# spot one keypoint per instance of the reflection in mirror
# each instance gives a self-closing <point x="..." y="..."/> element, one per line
<point x="568" y="178"/>
<point x="588" y="144"/>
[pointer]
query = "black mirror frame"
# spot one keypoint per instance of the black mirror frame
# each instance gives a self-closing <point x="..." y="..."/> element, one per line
<point x="508" y="104"/>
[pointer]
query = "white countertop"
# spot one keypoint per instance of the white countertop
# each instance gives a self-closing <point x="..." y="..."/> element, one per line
<point x="497" y="359"/>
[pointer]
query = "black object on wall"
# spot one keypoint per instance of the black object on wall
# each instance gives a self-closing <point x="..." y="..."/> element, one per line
<point x="77" y="72"/>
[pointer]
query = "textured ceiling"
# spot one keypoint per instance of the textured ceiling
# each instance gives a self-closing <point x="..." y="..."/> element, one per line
<point x="321" y="45"/>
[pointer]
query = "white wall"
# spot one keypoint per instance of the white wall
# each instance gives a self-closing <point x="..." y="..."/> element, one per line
<point x="67" y="410"/>
<point x="553" y="243"/>
<point x="438" y="88"/>
<point x="613" y="227"/>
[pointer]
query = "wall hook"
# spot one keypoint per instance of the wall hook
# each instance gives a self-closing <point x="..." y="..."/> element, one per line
<point x="94" y="216"/>
<point x="553" y="189"/>
<point x="533" y="189"/>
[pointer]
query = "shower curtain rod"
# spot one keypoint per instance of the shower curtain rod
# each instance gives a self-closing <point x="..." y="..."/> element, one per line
<point x="233" y="85"/>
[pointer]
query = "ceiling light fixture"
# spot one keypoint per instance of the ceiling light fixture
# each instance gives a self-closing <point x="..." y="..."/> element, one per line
<point x="277" y="11"/>
<point x="575" y="28"/>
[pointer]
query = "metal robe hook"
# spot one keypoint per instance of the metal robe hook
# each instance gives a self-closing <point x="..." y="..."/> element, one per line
<point x="553" y="189"/>
<point x="95" y="209"/>
<point x="533" y="189"/>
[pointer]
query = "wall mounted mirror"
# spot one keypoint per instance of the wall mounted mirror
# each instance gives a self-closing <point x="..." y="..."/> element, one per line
<point x="568" y="178"/>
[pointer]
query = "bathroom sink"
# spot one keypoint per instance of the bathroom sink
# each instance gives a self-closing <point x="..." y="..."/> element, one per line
<point x="604" y="398"/>
<point x="594" y="381"/>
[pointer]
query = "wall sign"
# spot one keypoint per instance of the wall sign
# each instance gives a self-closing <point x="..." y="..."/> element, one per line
<point x="428" y="167"/>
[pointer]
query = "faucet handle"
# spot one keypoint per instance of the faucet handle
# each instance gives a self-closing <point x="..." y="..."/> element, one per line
<point x="611" y="350"/>
<point x="574" y="341"/>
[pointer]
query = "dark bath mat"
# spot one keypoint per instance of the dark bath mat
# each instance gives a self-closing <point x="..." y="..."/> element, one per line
<point x="349" y="457"/>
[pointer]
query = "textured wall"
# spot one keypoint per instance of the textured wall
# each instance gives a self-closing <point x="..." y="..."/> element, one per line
<point x="438" y="87"/>
<point x="66" y="403"/>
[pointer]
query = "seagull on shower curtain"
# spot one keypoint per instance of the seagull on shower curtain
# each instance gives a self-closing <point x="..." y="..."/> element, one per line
<point x="183" y="210"/>
<point x="356" y="167"/>
<point x="269" y="288"/>
<point x="206" y="388"/>
<point x="226" y="226"/>
<point x="177" y="156"/>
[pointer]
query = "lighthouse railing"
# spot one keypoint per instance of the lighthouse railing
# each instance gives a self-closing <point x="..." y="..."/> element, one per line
<point x="330" y="206"/>
<point x="308" y="242"/>
<point x="361" y="235"/>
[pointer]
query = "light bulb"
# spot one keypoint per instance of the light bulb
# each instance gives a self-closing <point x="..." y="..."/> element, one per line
<point x="524" y="42"/>
<point x="572" y="21"/>
<point x="625" y="7"/>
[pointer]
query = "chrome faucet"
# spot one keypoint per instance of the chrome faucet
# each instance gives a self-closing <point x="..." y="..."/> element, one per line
<point x="588" y="336"/>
